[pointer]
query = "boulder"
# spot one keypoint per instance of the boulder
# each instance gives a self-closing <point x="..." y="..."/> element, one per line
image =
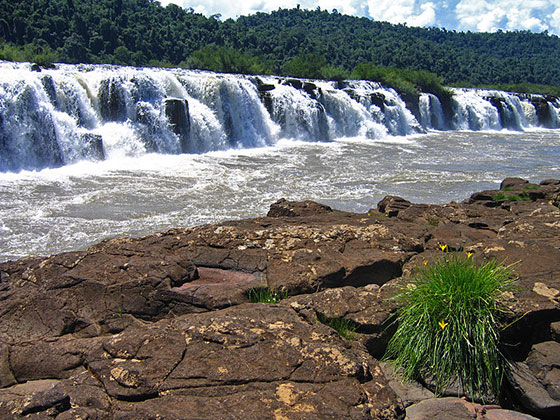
<point x="536" y="382"/>
<point x="391" y="205"/>
<point x="513" y="183"/>
<point x="177" y="112"/>
<point x="285" y="208"/>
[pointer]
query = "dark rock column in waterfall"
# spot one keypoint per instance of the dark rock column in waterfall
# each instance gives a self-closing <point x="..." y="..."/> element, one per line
<point x="177" y="112"/>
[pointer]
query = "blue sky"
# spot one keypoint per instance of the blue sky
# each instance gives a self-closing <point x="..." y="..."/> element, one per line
<point x="461" y="15"/>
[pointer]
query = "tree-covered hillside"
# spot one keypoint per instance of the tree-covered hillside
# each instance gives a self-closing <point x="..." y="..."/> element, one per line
<point x="142" y="32"/>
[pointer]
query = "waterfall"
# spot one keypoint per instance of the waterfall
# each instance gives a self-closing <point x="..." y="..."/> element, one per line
<point x="554" y="112"/>
<point x="431" y="112"/>
<point x="60" y="116"/>
<point x="480" y="109"/>
<point x="472" y="112"/>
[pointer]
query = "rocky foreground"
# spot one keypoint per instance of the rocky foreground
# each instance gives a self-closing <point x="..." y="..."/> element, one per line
<point x="160" y="327"/>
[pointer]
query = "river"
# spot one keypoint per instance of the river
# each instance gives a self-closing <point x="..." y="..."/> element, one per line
<point x="67" y="208"/>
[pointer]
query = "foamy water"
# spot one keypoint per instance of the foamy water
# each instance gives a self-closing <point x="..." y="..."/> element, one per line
<point x="74" y="206"/>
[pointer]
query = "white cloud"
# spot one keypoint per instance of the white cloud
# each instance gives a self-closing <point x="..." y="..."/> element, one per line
<point x="427" y="17"/>
<point x="491" y="15"/>
<point x="412" y="12"/>
<point x="473" y="15"/>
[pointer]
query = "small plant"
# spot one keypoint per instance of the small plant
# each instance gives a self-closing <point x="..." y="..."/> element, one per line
<point x="513" y="197"/>
<point x="266" y="295"/>
<point x="521" y="197"/>
<point x="531" y="187"/>
<point x="499" y="197"/>
<point x="449" y="325"/>
<point x="342" y="326"/>
<point x="433" y="222"/>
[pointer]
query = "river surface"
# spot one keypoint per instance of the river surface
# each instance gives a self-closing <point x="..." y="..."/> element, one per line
<point x="69" y="208"/>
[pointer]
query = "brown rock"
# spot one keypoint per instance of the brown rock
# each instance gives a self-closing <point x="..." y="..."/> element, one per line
<point x="124" y="328"/>
<point x="555" y="331"/>
<point x="285" y="208"/>
<point x="392" y="205"/>
<point x="513" y="183"/>
<point x="250" y="361"/>
<point x="537" y="381"/>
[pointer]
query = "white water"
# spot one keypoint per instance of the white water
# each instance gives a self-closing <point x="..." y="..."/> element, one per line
<point x="62" y="116"/>
<point x="88" y="152"/>
<point x="68" y="208"/>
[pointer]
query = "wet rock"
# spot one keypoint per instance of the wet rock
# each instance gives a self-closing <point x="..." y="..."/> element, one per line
<point x="94" y="146"/>
<point x="311" y="89"/>
<point x="542" y="107"/>
<point x="295" y="83"/>
<point x="112" y="101"/>
<point x="177" y="112"/>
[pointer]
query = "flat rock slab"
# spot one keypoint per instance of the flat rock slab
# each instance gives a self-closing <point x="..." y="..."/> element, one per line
<point x="459" y="409"/>
<point x="252" y="361"/>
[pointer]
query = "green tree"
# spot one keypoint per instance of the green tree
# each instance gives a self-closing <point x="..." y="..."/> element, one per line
<point x="305" y="65"/>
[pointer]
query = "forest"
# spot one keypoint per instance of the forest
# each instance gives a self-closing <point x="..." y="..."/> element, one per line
<point x="303" y="43"/>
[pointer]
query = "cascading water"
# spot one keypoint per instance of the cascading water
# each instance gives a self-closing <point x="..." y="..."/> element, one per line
<point x="431" y="112"/>
<point x="60" y="116"/>
<point x="385" y="107"/>
<point x="471" y="111"/>
<point x="554" y="110"/>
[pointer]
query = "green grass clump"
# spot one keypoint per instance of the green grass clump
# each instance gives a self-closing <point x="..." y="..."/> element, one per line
<point x="266" y="295"/>
<point x="518" y="198"/>
<point x="499" y="197"/>
<point x="531" y="187"/>
<point x="512" y="197"/>
<point x="342" y="326"/>
<point x="449" y="326"/>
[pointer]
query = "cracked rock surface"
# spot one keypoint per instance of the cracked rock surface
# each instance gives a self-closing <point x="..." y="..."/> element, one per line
<point x="161" y="327"/>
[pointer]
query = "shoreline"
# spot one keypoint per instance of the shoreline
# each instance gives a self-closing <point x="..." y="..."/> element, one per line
<point x="162" y="325"/>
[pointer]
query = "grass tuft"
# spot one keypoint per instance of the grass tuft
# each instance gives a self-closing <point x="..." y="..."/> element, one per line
<point x="449" y="326"/>
<point x="499" y="197"/>
<point x="342" y="326"/>
<point x="518" y="198"/>
<point x="266" y="295"/>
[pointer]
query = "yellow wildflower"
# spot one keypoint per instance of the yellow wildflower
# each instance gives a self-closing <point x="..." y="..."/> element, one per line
<point x="469" y="254"/>
<point x="425" y="262"/>
<point x="443" y="248"/>
<point x="442" y="324"/>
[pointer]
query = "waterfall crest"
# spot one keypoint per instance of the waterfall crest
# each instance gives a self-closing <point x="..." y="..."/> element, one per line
<point x="94" y="112"/>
